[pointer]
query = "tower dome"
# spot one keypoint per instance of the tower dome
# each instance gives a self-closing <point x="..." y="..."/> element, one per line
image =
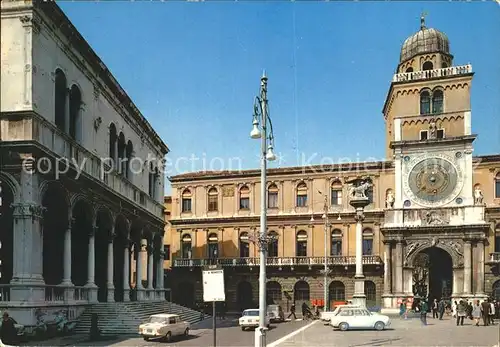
<point x="426" y="40"/>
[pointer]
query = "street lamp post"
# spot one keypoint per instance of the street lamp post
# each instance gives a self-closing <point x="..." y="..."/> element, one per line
<point x="325" y="275"/>
<point x="261" y="113"/>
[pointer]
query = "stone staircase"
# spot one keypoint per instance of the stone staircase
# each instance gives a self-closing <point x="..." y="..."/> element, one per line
<point x="123" y="318"/>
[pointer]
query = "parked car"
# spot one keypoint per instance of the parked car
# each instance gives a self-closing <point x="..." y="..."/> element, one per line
<point x="164" y="327"/>
<point x="327" y="315"/>
<point x="358" y="318"/>
<point x="276" y="313"/>
<point x="250" y="319"/>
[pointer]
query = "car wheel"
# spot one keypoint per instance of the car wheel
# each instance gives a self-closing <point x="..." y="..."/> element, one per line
<point x="343" y="326"/>
<point x="379" y="326"/>
<point x="146" y="339"/>
<point x="168" y="337"/>
<point x="242" y="328"/>
<point x="186" y="332"/>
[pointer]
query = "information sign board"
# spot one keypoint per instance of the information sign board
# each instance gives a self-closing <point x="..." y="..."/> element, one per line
<point x="213" y="285"/>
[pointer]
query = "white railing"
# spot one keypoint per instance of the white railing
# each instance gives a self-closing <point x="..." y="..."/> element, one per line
<point x="421" y="217"/>
<point x="29" y="127"/>
<point x="52" y="293"/>
<point x="494" y="258"/>
<point x="426" y="74"/>
<point x="278" y="261"/>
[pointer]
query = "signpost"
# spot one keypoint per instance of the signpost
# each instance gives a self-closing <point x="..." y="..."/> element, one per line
<point x="213" y="291"/>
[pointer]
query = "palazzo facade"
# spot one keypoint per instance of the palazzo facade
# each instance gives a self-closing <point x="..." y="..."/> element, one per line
<point x="81" y="195"/>
<point x="432" y="226"/>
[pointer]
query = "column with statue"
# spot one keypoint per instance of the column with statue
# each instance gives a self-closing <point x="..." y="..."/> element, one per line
<point x="359" y="200"/>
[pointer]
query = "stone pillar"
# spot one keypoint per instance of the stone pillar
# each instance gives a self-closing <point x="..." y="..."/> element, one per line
<point x="116" y="156"/>
<point x="467" y="267"/>
<point x="455" y="289"/>
<point x="480" y="269"/>
<point x="27" y="240"/>
<point x="67" y="118"/>
<point x="67" y="256"/>
<point x="110" y="284"/>
<point x="138" y="271"/>
<point x="150" y="272"/>
<point x="398" y="259"/>
<point x="91" y="267"/>
<point x="387" y="269"/>
<point x="126" y="273"/>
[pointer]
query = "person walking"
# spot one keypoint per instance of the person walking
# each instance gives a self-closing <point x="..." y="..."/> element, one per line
<point x="441" y="308"/>
<point x="292" y="312"/>
<point x="8" y="331"/>
<point x="423" y="311"/>
<point x="476" y="312"/>
<point x="461" y="312"/>
<point x="492" y="313"/>
<point x="454" y="309"/>
<point x="435" y="309"/>
<point x="485" y="312"/>
<point x="402" y="309"/>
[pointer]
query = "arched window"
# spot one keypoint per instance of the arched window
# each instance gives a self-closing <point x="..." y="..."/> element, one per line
<point x="437" y="101"/>
<point x="75" y="122"/>
<point x="244" y="198"/>
<point x="129" y="150"/>
<point x="272" y="246"/>
<point x="213" y="200"/>
<point x="121" y="155"/>
<point x="336" y="248"/>
<point x="410" y="69"/>
<point x="444" y="65"/>
<point x="301" y="244"/>
<point x="336" y="291"/>
<point x="186" y="246"/>
<point x="213" y="245"/>
<point x="428" y="66"/>
<point x="301" y="195"/>
<point x="497" y="186"/>
<point x="274" y="293"/>
<point x="186" y="201"/>
<point x="367" y="241"/>
<point x="244" y="245"/>
<point x="371" y="294"/>
<point x="497" y="238"/>
<point x="60" y="99"/>
<point x="272" y="196"/>
<point x="336" y="193"/>
<point x="113" y="143"/>
<point x="425" y="102"/>
<point x="301" y="291"/>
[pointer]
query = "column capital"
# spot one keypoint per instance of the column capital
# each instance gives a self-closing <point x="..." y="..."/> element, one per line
<point x="31" y="210"/>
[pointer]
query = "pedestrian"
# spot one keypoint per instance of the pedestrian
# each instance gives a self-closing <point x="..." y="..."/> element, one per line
<point x="485" y="312"/>
<point x="461" y="312"/>
<point x="454" y="309"/>
<point x="476" y="312"/>
<point x="435" y="309"/>
<point x="423" y="311"/>
<point x="492" y="313"/>
<point x="402" y="309"/>
<point x="441" y="308"/>
<point x="8" y="330"/>
<point x="292" y="312"/>
<point x="223" y="310"/>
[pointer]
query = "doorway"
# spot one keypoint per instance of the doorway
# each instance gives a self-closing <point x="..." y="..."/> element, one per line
<point x="433" y="268"/>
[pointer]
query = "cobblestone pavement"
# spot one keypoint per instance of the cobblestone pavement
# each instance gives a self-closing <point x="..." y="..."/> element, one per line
<point x="401" y="333"/>
<point x="228" y="334"/>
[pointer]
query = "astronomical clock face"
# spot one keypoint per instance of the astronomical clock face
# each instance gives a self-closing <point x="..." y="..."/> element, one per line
<point x="433" y="181"/>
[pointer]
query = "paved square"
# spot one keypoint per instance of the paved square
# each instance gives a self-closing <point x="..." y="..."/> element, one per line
<point x="401" y="333"/>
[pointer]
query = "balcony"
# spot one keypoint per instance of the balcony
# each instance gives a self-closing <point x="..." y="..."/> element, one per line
<point x="279" y="262"/>
<point x="449" y="216"/>
<point x="436" y="73"/>
<point x="494" y="258"/>
<point x="30" y="127"/>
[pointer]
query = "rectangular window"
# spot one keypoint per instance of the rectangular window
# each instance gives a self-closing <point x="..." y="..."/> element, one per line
<point x="301" y="249"/>
<point x="336" y="197"/>
<point x="497" y="188"/>
<point x="367" y="246"/>
<point x="423" y="134"/>
<point x="244" y="249"/>
<point x="212" y="203"/>
<point x="186" y="205"/>
<point x="301" y="200"/>
<point x="336" y="247"/>
<point x="440" y="134"/>
<point x="244" y="203"/>
<point x="166" y="251"/>
<point x="272" y="200"/>
<point x="497" y="243"/>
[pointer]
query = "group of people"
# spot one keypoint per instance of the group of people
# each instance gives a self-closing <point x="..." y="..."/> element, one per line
<point x="306" y="312"/>
<point x="486" y="311"/>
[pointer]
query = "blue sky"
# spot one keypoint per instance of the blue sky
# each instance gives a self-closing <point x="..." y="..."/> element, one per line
<point x="193" y="69"/>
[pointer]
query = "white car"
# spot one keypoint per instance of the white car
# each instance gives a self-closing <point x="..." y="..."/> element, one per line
<point x="164" y="326"/>
<point x="250" y="319"/>
<point x="327" y="315"/>
<point x="358" y="318"/>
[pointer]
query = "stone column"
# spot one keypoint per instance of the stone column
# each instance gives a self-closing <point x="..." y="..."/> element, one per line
<point x="67" y="116"/>
<point x="455" y="289"/>
<point x="67" y="256"/>
<point x="126" y="272"/>
<point x="138" y="270"/>
<point x="398" y="259"/>
<point x="387" y="269"/>
<point x="467" y="268"/>
<point x="150" y="271"/>
<point x="110" y="284"/>
<point x="480" y="269"/>
<point x="91" y="266"/>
